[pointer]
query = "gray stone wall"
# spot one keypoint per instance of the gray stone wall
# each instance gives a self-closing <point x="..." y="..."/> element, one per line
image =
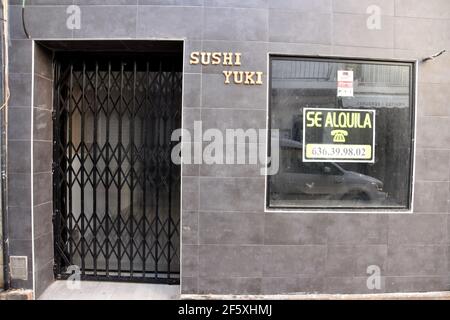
<point x="230" y="244"/>
<point x="42" y="169"/>
<point x="19" y="154"/>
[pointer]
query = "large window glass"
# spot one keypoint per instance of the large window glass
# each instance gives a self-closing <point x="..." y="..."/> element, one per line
<point x="345" y="133"/>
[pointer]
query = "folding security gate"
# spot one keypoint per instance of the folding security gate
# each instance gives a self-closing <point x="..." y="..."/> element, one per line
<point x="116" y="190"/>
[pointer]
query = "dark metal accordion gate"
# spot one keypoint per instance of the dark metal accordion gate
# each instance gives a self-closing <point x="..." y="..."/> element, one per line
<point x="116" y="190"/>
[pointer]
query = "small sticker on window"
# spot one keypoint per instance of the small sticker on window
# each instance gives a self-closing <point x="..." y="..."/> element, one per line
<point x="345" y="83"/>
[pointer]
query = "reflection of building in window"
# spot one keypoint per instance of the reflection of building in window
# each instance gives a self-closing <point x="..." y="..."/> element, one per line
<point x="386" y="88"/>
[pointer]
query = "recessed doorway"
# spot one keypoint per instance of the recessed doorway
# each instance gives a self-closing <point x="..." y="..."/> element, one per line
<point x="116" y="190"/>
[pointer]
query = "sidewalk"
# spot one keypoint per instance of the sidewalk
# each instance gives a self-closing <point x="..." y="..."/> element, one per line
<point x="16" y="295"/>
<point x="382" y="296"/>
<point x="91" y="290"/>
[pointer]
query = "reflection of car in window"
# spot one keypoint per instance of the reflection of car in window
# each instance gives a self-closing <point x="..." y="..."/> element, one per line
<point x="320" y="180"/>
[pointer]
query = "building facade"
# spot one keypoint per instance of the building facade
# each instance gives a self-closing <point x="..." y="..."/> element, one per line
<point x="2" y="253"/>
<point x="83" y="198"/>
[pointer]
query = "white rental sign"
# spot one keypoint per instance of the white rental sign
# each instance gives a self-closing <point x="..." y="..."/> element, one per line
<point x="345" y="83"/>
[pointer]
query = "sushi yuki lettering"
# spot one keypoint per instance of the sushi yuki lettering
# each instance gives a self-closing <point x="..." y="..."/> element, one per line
<point x="228" y="59"/>
<point x="216" y="58"/>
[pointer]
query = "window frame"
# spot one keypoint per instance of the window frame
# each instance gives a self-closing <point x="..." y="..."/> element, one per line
<point x="413" y="81"/>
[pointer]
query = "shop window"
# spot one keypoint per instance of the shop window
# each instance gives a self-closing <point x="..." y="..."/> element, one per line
<point x="345" y="133"/>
